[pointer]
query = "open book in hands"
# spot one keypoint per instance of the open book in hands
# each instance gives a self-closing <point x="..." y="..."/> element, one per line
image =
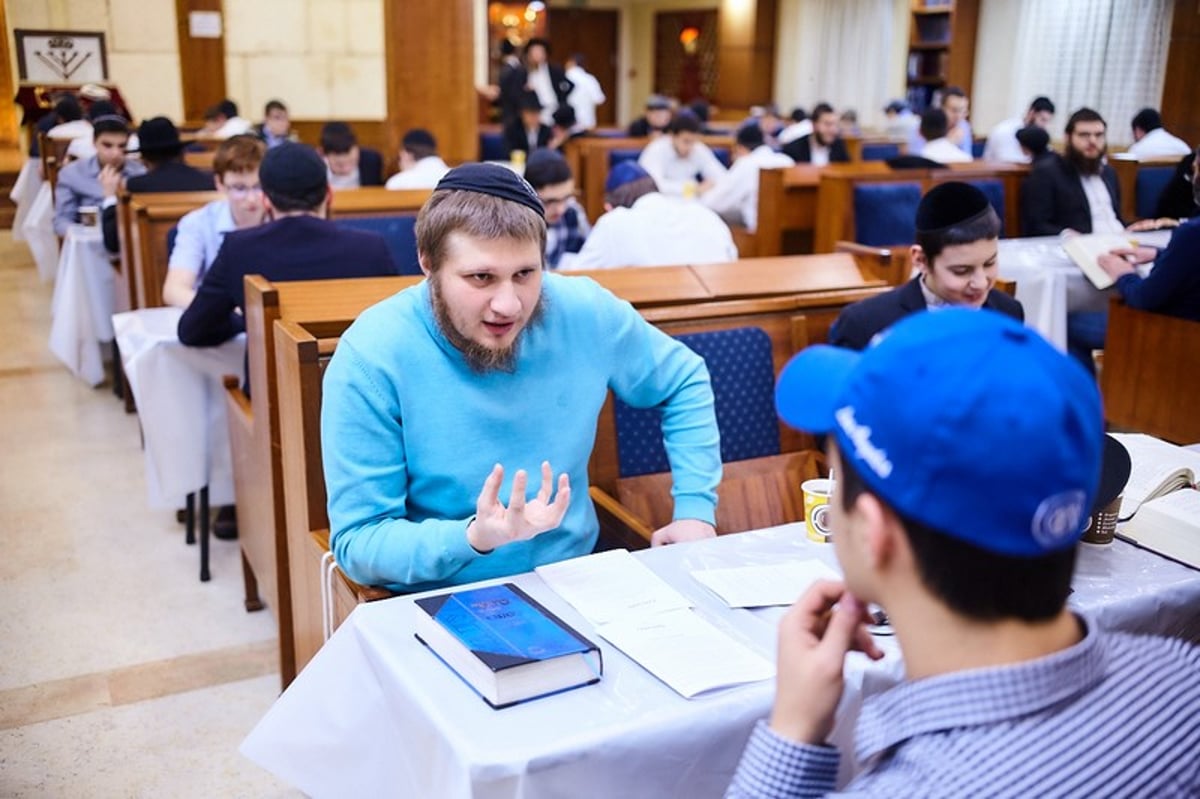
<point x="1161" y="506"/>
<point x="1085" y="250"/>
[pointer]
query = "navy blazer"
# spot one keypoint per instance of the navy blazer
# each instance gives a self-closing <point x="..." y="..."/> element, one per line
<point x="516" y="139"/>
<point x="370" y="167"/>
<point x="292" y="248"/>
<point x="1052" y="198"/>
<point x="171" y="176"/>
<point x="858" y="323"/>
<point x="801" y="150"/>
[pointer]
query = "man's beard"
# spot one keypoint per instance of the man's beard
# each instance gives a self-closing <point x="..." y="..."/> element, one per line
<point x="1084" y="165"/>
<point x="480" y="358"/>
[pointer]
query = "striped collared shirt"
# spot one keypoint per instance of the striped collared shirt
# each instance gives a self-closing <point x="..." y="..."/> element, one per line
<point x="1114" y="715"/>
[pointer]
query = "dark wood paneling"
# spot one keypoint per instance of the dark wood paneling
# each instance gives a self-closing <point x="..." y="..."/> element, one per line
<point x="10" y="136"/>
<point x="592" y="32"/>
<point x="201" y="62"/>
<point x="746" y="53"/>
<point x="430" y="62"/>
<point x="1180" y="111"/>
<point x="682" y="74"/>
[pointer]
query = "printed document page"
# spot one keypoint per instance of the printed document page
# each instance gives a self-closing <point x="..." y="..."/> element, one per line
<point x="762" y="586"/>
<point x="686" y="652"/>
<point x="611" y="585"/>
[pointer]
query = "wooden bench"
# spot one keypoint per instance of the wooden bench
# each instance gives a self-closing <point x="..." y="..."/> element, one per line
<point x="53" y="155"/>
<point x="254" y="430"/>
<point x="835" y="195"/>
<point x="1141" y="182"/>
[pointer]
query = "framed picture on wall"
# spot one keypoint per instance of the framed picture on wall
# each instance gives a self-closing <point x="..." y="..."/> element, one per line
<point x="61" y="56"/>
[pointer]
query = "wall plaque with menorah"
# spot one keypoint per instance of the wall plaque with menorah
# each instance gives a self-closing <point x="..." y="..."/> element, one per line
<point x="49" y="57"/>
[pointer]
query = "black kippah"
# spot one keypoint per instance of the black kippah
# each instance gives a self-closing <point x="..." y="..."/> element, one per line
<point x="949" y="204"/>
<point x="498" y="181"/>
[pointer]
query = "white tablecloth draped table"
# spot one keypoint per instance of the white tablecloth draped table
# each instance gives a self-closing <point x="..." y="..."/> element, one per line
<point x="83" y="303"/>
<point x="23" y="193"/>
<point x="375" y="713"/>
<point x="37" y="229"/>
<point x="1050" y="285"/>
<point x="181" y="406"/>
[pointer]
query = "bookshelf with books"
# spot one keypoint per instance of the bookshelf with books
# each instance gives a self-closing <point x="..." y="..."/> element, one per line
<point x="941" y="48"/>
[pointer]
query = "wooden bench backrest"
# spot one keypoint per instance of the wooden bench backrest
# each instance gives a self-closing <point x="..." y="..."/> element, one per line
<point x="53" y="155"/>
<point x="835" y="196"/>
<point x="1151" y="373"/>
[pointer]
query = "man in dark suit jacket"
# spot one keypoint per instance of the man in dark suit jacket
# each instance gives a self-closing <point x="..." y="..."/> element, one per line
<point x="956" y="260"/>
<point x="300" y="244"/>
<point x="824" y="145"/>
<point x="350" y="166"/>
<point x="1071" y="191"/>
<point x="162" y="153"/>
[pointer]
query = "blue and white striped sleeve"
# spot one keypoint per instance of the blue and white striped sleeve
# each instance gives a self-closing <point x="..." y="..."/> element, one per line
<point x="772" y="766"/>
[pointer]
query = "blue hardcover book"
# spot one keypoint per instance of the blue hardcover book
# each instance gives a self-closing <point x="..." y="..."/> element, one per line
<point x="505" y="645"/>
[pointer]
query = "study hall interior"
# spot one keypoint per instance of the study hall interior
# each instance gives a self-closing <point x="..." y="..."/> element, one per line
<point x="126" y="675"/>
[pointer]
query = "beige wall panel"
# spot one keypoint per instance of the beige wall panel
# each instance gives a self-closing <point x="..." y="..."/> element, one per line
<point x="236" y="87"/>
<point x="259" y="27"/>
<point x="149" y="82"/>
<point x="327" y="26"/>
<point x="302" y="82"/>
<point x="142" y="27"/>
<point x="358" y="89"/>
<point x="364" y="27"/>
<point x="33" y="14"/>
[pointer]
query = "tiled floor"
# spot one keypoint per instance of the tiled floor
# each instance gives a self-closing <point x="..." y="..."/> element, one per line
<point x="122" y="675"/>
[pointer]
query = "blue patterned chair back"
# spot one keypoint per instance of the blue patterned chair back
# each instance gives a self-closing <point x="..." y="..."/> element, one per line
<point x="879" y="151"/>
<point x="885" y="213"/>
<point x="491" y="146"/>
<point x="1148" y="187"/>
<point x="400" y="234"/>
<point x="743" y="380"/>
<point x="993" y="189"/>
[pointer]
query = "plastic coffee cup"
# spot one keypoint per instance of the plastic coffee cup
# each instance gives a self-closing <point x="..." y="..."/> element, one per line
<point x="1102" y="524"/>
<point x="816" y="509"/>
<point x="89" y="215"/>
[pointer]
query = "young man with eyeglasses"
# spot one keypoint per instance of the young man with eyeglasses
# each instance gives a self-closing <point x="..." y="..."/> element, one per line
<point x="200" y="232"/>
<point x="567" y="225"/>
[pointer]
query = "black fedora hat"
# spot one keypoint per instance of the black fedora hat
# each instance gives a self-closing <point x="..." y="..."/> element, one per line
<point x="158" y="136"/>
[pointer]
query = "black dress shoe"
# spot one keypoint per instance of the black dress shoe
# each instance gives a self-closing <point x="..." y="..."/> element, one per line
<point x="181" y="515"/>
<point x="225" y="525"/>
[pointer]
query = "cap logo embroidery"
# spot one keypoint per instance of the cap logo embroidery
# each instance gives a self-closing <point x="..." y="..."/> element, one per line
<point x="1058" y="518"/>
<point x="864" y="448"/>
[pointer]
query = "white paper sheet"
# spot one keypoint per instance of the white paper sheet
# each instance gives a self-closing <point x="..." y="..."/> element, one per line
<point x="611" y="585"/>
<point x="764" y="585"/>
<point x="686" y="652"/>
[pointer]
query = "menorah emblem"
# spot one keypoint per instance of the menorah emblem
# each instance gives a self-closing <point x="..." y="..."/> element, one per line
<point x="62" y="57"/>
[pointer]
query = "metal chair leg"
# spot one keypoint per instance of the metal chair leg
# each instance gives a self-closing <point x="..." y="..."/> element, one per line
<point x="204" y="524"/>
<point x="189" y="518"/>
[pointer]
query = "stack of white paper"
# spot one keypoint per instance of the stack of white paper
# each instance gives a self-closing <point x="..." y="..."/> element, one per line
<point x="652" y="623"/>
<point x="763" y="586"/>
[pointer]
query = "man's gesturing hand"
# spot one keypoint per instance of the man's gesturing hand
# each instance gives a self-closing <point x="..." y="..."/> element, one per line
<point x="496" y="525"/>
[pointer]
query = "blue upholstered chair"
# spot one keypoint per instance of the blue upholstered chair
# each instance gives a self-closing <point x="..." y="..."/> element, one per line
<point x="880" y="151"/>
<point x="723" y="155"/>
<point x="619" y="154"/>
<point x="761" y="485"/>
<point x="885" y="213"/>
<point x="400" y="233"/>
<point x="1148" y="187"/>
<point x="491" y="146"/>
<point x="993" y="189"/>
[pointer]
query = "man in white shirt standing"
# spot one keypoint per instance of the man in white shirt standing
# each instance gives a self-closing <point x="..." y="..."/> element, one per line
<point x="937" y="146"/>
<point x="547" y="80"/>
<point x="735" y="194"/>
<point x="586" y="95"/>
<point x="1002" y="145"/>
<point x="420" y="165"/>
<point x="642" y="227"/>
<point x="1151" y="140"/>
<point x="679" y="158"/>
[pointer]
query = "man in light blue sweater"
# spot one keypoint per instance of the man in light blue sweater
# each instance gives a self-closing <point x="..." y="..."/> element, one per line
<point x="442" y="399"/>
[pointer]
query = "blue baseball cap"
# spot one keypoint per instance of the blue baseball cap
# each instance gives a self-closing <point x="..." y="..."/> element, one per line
<point x="963" y="420"/>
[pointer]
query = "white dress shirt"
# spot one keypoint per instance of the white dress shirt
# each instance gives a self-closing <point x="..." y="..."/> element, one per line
<point x="657" y="231"/>
<point x="796" y="130"/>
<point x="424" y="174"/>
<point x="1159" y="144"/>
<point x="671" y="172"/>
<point x="584" y="98"/>
<point x="1002" y="145"/>
<point x="543" y="86"/>
<point x="199" y="237"/>
<point x="1104" y="218"/>
<point x="944" y="151"/>
<point x="735" y="194"/>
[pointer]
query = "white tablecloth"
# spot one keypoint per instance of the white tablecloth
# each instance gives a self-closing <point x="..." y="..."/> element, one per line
<point x="83" y="303"/>
<point x="38" y="231"/>
<point x="1049" y="284"/>
<point x="376" y="714"/>
<point x="23" y="193"/>
<point x="181" y="405"/>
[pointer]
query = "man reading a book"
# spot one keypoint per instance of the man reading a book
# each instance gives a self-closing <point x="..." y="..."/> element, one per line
<point x="959" y="515"/>
<point x="955" y="258"/>
<point x="444" y="398"/>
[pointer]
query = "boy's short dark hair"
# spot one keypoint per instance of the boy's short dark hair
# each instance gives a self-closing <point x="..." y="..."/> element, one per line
<point x="1041" y="104"/>
<point x="820" y="109"/>
<point x="984" y="227"/>
<point x="750" y="136"/>
<point x="952" y="91"/>
<point x="537" y="41"/>
<point x="109" y="124"/>
<point x="684" y="121"/>
<point x="1034" y="139"/>
<point x="67" y="109"/>
<point x="980" y="585"/>
<point x="228" y="108"/>
<point x="1147" y="120"/>
<point x="274" y="105"/>
<point x="934" y="124"/>
<point x="564" y="117"/>
<point x="337" y="138"/>
<point x="419" y="143"/>
<point x="546" y="168"/>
